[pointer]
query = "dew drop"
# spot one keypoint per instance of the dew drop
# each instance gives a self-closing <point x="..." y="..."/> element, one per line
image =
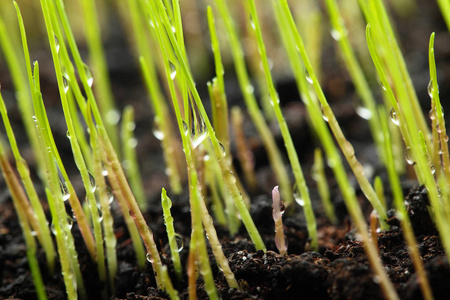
<point x="68" y="134"/>
<point x="430" y="88"/>
<point x="308" y="77"/>
<point x="69" y="222"/>
<point x="156" y="130"/>
<point x="65" y="84"/>
<point x="324" y="115"/>
<point x="297" y="196"/>
<point x="179" y="240"/>
<point x="132" y="143"/>
<point x="173" y="70"/>
<point x="393" y="116"/>
<point x="113" y="117"/>
<point x="438" y="128"/>
<point x="53" y="228"/>
<point x="249" y="89"/>
<point x="105" y="172"/>
<point x="222" y="148"/>
<point x="149" y="258"/>
<point x="252" y="22"/>
<point x="89" y="77"/>
<point x="174" y="30"/>
<point x="408" y="156"/>
<point x="64" y="191"/>
<point x="92" y="183"/>
<point x="364" y="112"/>
<point x="446" y="138"/>
<point x="57" y="43"/>
<point x="33" y="233"/>
<point x="336" y="34"/>
<point x="432" y="114"/>
<point x="433" y="169"/>
<point x="185" y="128"/>
<point x="382" y="86"/>
<point x="229" y="176"/>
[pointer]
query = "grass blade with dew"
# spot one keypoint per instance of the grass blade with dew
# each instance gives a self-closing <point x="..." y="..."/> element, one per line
<point x="410" y="132"/>
<point x="247" y="89"/>
<point x="339" y="34"/>
<point x="161" y="128"/>
<point x="318" y="174"/>
<point x="88" y="181"/>
<point x="21" y="205"/>
<point x="228" y="176"/>
<point x="346" y="147"/>
<point x="173" y="237"/>
<point x="244" y="154"/>
<point x="402" y="214"/>
<point x="105" y="198"/>
<point x="289" y="144"/>
<point x="352" y="204"/>
<point x="198" y="207"/>
<point x="23" y="92"/>
<point x="105" y="98"/>
<point x="41" y="229"/>
<point x="130" y="161"/>
<point x="61" y="222"/>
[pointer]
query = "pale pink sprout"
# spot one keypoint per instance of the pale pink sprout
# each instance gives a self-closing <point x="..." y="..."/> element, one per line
<point x="280" y="240"/>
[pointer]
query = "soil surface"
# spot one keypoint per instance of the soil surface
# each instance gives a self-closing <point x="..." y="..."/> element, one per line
<point x="339" y="270"/>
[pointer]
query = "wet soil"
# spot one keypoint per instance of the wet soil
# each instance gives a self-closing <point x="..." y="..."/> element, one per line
<point x="339" y="270"/>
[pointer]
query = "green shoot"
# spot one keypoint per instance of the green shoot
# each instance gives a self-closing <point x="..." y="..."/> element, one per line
<point x="368" y="108"/>
<point x="379" y="189"/>
<point x="100" y="71"/>
<point x="228" y="176"/>
<point x="105" y="197"/>
<point x="352" y="205"/>
<point x="248" y="92"/>
<point x="244" y="154"/>
<point x="318" y="174"/>
<point x="174" y="238"/>
<point x="401" y="209"/>
<point x="21" y="204"/>
<point x="292" y="153"/>
<point x="198" y="207"/>
<point x="445" y="10"/>
<point x="130" y="161"/>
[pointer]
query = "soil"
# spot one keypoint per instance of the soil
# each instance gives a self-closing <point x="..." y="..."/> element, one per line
<point x="339" y="270"/>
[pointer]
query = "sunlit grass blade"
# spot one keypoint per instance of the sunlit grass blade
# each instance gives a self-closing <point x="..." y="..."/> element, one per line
<point x="352" y="205"/>
<point x="247" y="89"/>
<point x="130" y="161"/>
<point x="289" y="144"/>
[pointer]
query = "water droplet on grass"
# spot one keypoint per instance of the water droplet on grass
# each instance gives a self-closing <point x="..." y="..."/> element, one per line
<point x="173" y="70"/>
<point x="179" y="240"/>
<point x="308" y="77"/>
<point x="297" y="196"/>
<point x="89" y="77"/>
<point x="394" y="117"/>
<point x="408" y="156"/>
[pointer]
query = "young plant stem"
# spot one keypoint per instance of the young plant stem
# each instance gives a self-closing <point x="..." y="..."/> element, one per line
<point x="289" y="144"/>
<point x="277" y="214"/>
<point x="339" y="33"/>
<point x="318" y="174"/>
<point x="244" y="154"/>
<point x="100" y="71"/>
<point x="247" y="89"/>
<point x="198" y="206"/>
<point x="35" y="212"/>
<point x="399" y="205"/>
<point x="124" y="195"/>
<point x="228" y="176"/>
<point x="282" y="10"/>
<point x="21" y="204"/>
<point x="23" y="92"/>
<point x="62" y="85"/>
<point x="346" y="147"/>
<point x="166" y="204"/>
<point x="130" y="161"/>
